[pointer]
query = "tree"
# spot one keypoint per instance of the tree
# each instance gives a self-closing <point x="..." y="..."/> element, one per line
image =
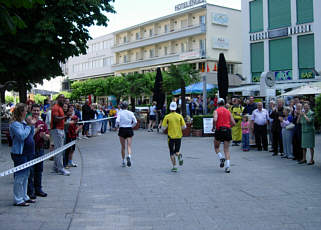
<point x="183" y="75"/>
<point x="159" y="95"/>
<point x="54" y="31"/>
<point x="222" y="77"/>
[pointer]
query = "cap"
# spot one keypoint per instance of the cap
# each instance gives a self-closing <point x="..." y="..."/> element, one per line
<point x="173" y="106"/>
<point x="220" y="101"/>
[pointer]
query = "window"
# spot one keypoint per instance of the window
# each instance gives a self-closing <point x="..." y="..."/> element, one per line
<point x="183" y="47"/>
<point x="151" y="53"/>
<point x="137" y="56"/>
<point x="257" y="60"/>
<point x="137" y="36"/>
<point x="230" y="68"/>
<point x="150" y="32"/>
<point x="306" y="56"/>
<point x="256" y="16"/>
<point x="281" y="54"/>
<point x="125" y="59"/>
<point x="184" y="23"/>
<point x="202" y="20"/>
<point x="166" y="28"/>
<point x="107" y="61"/>
<point x="165" y="50"/>
<point x="124" y="39"/>
<point x="304" y="11"/>
<point x="279" y="13"/>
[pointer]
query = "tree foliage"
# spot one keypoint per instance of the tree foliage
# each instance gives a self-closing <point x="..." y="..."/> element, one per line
<point x="53" y="32"/>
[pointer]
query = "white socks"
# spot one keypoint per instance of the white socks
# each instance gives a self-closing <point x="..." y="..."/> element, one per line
<point x="227" y="163"/>
<point x="220" y="156"/>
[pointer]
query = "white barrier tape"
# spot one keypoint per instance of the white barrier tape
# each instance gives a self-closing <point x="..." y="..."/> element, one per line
<point x="37" y="160"/>
<point x="90" y="121"/>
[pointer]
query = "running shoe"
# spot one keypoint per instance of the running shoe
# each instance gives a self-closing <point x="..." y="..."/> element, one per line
<point x="174" y="169"/>
<point x="123" y="164"/>
<point x="129" y="163"/>
<point x="222" y="161"/>
<point x="180" y="159"/>
<point x="227" y="170"/>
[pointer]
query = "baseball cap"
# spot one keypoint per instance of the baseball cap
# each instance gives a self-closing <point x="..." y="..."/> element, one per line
<point x="173" y="106"/>
<point x="220" y="101"/>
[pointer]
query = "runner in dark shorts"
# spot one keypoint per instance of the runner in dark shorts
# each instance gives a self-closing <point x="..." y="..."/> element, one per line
<point x="125" y="132"/>
<point x="222" y="123"/>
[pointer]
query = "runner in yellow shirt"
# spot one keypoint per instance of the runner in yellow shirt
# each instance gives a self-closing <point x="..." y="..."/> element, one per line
<point x="174" y="123"/>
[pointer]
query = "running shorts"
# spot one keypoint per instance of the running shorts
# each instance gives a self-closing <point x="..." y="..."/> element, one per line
<point x="174" y="145"/>
<point x="223" y="134"/>
<point x="152" y="117"/>
<point x="125" y="132"/>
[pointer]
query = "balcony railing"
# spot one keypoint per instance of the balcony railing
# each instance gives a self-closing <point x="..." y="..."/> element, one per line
<point x="173" y="35"/>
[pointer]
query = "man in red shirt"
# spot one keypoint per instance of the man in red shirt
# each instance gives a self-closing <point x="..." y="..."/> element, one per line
<point x="58" y="133"/>
<point x="222" y="123"/>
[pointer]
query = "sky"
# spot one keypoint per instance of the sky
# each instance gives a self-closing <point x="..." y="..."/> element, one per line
<point x="132" y="12"/>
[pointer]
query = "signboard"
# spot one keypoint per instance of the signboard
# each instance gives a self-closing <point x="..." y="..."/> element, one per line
<point x="256" y="77"/>
<point x="221" y="43"/>
<point x="278" y="33"/>
<point x="306" y="74"/>
<point x="220" y="19"/>
<point x="208" y="125"/>
<point x="189" y="3"/>
<point x="189" y="55"/>
<point x="283" y="75"/>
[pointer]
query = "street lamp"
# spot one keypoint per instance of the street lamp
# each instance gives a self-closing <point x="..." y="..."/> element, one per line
<point x="6" y="86"/>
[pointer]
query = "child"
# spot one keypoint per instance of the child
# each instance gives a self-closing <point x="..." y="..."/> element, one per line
<point x="73" y="130"/>
<point x="245" y="133"/>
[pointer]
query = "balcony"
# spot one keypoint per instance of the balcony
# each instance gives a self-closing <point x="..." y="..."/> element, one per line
<point x="172" y="58"/>
<point x="173" y="35"/>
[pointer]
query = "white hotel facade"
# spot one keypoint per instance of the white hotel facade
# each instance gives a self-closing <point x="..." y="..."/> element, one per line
<point x="196" y="35"/>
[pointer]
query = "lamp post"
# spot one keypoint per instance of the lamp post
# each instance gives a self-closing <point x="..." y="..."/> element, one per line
<point x="6" y="86"/>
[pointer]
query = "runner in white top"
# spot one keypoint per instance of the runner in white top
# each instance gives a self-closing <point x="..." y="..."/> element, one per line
<point x="126" y="120"/>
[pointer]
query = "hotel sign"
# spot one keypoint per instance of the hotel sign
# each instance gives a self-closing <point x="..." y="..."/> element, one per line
<point x="221" y="43"/>
<point x="189" y="3"/>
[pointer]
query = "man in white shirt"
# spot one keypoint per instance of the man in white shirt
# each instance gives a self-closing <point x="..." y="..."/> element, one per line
<point x="260" y="119"/>
<point x="152" y="116"/>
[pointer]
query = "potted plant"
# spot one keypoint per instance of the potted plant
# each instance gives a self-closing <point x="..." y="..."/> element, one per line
<point x="197" y="126"/>
<point x="187" y="131"/>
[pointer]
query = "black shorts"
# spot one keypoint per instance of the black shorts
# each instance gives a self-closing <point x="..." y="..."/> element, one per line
<point x="174" y="145"/>
<point x="152" y="117"/>
<point x="223" y="134"/>
<point x="125" y="132"/>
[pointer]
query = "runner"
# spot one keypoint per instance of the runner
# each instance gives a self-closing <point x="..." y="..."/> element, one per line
<point x="174" y="123"/>
<point x="222" y="123"/>
<point x="125" y="121"/>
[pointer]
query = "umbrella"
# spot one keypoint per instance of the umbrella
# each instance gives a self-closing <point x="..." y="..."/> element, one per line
<point x="159" y="95"/>
<point x="222" y="77"/>
<point x="304" y="90"/>
<point x="196" y="88"/>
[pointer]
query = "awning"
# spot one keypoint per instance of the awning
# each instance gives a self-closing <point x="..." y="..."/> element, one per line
<point x="196" y="88"/>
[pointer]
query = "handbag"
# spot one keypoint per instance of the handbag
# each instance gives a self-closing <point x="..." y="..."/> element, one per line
<point x="290" y="126"/>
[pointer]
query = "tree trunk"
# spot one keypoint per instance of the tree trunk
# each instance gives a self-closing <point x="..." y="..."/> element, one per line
<point x="22" y="92"/>
<point x="3" y="96"/>
<point x="132" y="102"/>
<point x="183" y="93"/>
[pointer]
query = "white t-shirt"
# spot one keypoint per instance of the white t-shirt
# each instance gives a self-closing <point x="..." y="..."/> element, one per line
<point x="125" y="119"/>
<point x="152" y="110"/>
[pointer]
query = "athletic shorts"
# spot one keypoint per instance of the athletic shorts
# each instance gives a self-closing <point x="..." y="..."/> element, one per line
<point x="125" y="132"/>
<point x="223" y="134"/>
<point x="174" y="145"/>
<point x="152" y="117"/>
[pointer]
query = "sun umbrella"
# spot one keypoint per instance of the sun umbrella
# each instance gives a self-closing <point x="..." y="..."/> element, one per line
<point x="196" y="88"/>
<point x="222" y="77"/>
<point x="304" y="90"/>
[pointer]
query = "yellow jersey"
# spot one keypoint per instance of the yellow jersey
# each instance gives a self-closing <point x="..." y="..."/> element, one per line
<point x="174" y="123"/>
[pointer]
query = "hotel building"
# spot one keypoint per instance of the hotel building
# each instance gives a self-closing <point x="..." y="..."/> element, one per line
<point x="282" y="37"/>
<point x="196" y="35"/>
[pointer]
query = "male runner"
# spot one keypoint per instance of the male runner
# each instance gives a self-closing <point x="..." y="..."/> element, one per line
<point x="222" y="123"/>
<point x="174" y="123"/>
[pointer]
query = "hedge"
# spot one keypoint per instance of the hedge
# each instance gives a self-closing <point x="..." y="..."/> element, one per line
<point x="198" y="121"/>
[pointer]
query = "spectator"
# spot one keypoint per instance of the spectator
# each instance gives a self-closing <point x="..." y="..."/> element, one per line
<point x="250" y="107"/>
<point x="271" y="107"/>
<point x="100" y="115"/>
<point x="276" y="128"/>
<point x="260" y="118"/>
<point x="57" y="126"/>
<point x="308" y="135"/>
<point x="236" y="111"/>
<point x="77" y="110"/>
<point x="287" y="132"/>
<point x="112" y="120"/>
<point x="86" y="113"/>
<point x="41" y="135"/>
<point x="245" y="133"/>
<point x="22" y="146"/>
<point x="73" y="130"/>
<point x="297" y="133"/>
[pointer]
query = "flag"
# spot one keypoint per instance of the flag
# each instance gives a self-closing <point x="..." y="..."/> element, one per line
<point x="208" y="68"/>
<point x="203" y="67"/>
<point x="215" y="67"/>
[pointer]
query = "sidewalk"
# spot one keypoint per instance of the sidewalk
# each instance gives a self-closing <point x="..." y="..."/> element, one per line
<point x="261" y="192"/>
